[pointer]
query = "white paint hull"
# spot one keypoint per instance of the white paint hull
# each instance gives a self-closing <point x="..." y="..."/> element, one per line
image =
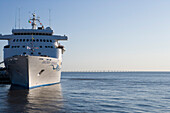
<point x="33" y="71"/>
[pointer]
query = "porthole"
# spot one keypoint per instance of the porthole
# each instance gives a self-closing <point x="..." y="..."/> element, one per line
<point x="20" y="40"/>
<point x="39" y="53"/>
<point x="23" y="46"/>
<point x="51" y="46"/>
<point x="45" y="46"/>
<point x="50" y="40"/>
<point x="31" y="53"/>
<point x="14" y="40"/>
<point x="47" y="40"/>
<point x="23" y="40"/>
<point x="44" y="40"/>
<point x="37" y="40"/>
<point x="27" y="40"/>
<point x="40" y="46"/>
<point x="17" y="40"/>
<point x="24" y="53"/>
<point x="40" y="40"/>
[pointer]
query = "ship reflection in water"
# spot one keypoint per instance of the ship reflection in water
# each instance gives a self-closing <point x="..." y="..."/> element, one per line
<point x="42" y="99"/>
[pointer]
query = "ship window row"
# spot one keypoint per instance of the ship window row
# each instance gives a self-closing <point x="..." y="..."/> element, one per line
<point x="31" y="40"/>
<point x="33" y="34"/>
<point x="27" y="46"/>
<point x="32" y="53"/>
<point x="39" y="53"/>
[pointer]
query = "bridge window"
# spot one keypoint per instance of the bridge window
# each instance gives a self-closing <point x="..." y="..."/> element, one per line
<point x="32" y="33"/>
<point x="7" y="46"/>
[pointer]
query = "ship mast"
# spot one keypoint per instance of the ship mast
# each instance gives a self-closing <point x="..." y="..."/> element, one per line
<point x="34" y="25"/>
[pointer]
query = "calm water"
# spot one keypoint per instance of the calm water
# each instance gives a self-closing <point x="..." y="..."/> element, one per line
<point x="93" y="92"/>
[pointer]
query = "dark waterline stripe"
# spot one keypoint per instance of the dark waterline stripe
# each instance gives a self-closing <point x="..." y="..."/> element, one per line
<point x="43" y="85"/>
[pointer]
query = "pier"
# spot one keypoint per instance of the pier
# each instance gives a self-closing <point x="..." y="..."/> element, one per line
<point x="4" y="77"/>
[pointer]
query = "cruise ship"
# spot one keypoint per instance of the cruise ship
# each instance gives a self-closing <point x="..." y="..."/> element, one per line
<point x="33" y="57"/>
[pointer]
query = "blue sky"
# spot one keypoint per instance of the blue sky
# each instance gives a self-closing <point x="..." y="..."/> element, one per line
<point x="119" y="35"/>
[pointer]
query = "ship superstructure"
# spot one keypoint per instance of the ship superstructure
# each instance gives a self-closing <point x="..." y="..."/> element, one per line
<point x="33" y="57"/>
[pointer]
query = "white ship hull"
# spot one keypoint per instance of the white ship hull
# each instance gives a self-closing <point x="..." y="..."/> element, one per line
<point x="33" y="71"/>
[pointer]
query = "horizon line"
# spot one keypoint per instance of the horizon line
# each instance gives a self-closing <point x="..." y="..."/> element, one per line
<point x="114" y="71"/>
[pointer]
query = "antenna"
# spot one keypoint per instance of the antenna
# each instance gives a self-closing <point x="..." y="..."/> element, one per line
<point x="19" y="18"/>
<point x="15" y="18"/>
<point x="49" y="17"/>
